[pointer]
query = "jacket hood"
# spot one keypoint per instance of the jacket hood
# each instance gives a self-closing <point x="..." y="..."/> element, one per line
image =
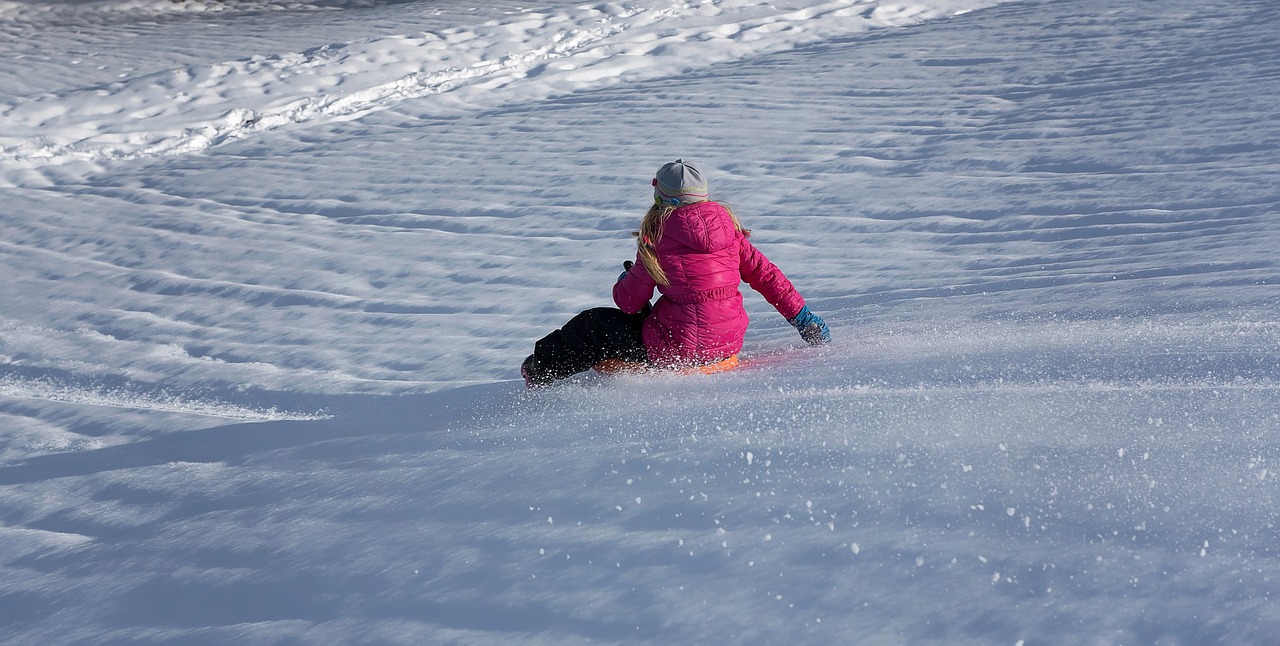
<point x="702" y="227"/>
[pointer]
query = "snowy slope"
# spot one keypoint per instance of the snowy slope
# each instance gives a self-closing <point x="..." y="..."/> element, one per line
<point x="269" y="269"/>
<point x="520" y="55"/>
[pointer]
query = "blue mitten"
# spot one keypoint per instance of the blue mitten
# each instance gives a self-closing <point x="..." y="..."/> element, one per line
<point x="812" y="328"/>
<point x="626" y="267"/>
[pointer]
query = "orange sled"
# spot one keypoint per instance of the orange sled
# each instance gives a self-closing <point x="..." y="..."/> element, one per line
<point x="618" y="366"/>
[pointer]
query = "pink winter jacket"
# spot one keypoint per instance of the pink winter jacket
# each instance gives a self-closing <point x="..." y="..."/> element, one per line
<point x="699" y="317"/>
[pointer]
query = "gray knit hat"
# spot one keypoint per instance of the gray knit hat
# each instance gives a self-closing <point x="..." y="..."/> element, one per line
<point x="679" y="182"/>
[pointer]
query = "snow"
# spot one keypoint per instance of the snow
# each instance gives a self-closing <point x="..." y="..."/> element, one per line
<point x="269" y="269"/>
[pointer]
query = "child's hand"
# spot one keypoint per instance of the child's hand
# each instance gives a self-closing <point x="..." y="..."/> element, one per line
<point x="626" y="267"/>
<point x="812" y="328"/>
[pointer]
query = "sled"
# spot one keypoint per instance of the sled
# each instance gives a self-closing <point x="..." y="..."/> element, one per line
<point x="618" y="366"/>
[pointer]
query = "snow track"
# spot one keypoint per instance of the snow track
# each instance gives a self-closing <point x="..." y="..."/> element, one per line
<point x="117" y="393"/>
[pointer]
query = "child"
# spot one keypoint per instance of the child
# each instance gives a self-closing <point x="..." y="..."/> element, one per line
<point x="695" y="252"/>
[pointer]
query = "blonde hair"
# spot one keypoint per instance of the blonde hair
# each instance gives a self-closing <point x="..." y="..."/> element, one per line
<point x="651" y="232"/>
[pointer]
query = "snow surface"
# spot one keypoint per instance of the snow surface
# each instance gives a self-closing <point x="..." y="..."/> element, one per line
<point x="269" y="268"/>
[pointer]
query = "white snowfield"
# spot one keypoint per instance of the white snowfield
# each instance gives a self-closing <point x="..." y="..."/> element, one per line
<point x="522" y="55"/>
<point x="268" y="269"/>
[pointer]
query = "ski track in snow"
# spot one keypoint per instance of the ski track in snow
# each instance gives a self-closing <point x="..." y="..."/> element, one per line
<point x="258" y="383"/>
<point x="142" y="399"/>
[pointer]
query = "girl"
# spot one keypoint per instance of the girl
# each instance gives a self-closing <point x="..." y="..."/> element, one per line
<point x="695" y="253"/>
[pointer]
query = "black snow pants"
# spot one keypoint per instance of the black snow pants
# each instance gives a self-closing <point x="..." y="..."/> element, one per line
<point x="588" y="338"/>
